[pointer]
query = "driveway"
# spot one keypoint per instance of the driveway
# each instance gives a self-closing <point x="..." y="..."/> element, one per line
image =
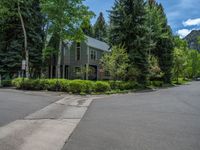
<point x="38" y="120"/>
<point x="16" y="104"/>
<point x="167" y="119"/>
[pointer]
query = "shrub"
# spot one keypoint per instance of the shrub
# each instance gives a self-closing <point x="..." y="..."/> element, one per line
<point x="157" y="83"/>
<point x="73" y="86"/>
<point x="17" y="83"/>
<point x="30" y="84"/>
<point x="81" y="86"/>
<point x="64" y="85"/>
<point x="76" y="86"/>
<point x="52" y="84"/>
<point x="6" y="83"/>
<point x="122" y="85"/>
<point x="101" y="86"/>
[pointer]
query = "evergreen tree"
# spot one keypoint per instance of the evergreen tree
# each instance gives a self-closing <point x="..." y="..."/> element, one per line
<point x="12" y="38"/>
<point x="164" y="48"/>
<point x="128" y="27"/>
<point x="160" y="38"/>
<point x="154" y="22"/>
<point x="100" y="28"/>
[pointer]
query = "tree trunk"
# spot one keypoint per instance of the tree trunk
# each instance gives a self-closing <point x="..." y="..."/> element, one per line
<point x="25" y="41"/>
<point x="59" y="59"/>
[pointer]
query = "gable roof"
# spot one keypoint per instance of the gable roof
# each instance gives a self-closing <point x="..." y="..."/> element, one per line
<point x="97" y="44"/>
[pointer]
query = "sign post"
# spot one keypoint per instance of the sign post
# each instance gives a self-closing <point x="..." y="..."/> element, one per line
<point x="23" y="70"/>
<point x="0" y="81"/>
<point x="23" y="65"/>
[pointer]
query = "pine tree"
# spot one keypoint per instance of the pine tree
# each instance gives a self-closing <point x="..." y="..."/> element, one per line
<point x="154" y="22"/>
<point x="100" y="28"/>
<point x="160" y="38"/>
<point x="128" y="27"/>
<point x="35" y="38"/>
<point x="12" y="38"/>
<point x="164" y="49"/>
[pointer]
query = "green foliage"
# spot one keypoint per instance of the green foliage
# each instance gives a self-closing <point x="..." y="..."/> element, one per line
<point x="162" y="36"/>
<point x="87" y="29"/>
<point x="186" y="61"/>
<point x="157" y="83"/>
<point x="6" y="83"/>
<point x="198" y="40"/>
<point x="155" y="20"/>
<point x="74" y="86"/>
<point x="179" y="63"/>
<point x="155" y="71"/>
<point x="102" y="86"/>
<point x="64" y="19"/>
<point x="116" y="62"/>
<point x="81" y="86"/>
<point x="128" y="27"/>
<point x="100" y="28"/>
<point x="123" y="85"/>
<point x="12" y="39"/>
<point x="17" y="83"/>
<point x="192" y="69"/>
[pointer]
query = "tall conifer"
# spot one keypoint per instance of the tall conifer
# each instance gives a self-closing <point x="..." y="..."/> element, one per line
<point x="100" y="28"/>
<point x="128" y="27"/>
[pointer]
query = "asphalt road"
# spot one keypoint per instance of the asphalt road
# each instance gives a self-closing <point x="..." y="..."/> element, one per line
<point x="167" y="119"/>
<point x="16" y="104"/>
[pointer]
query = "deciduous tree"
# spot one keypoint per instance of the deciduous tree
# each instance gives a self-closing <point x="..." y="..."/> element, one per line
<point x="66" y="18"/>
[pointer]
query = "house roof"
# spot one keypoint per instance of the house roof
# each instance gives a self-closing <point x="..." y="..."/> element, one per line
<point x="97" y="44"/>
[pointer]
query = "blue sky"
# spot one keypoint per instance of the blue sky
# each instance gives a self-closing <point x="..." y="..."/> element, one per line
<point x="183" y="15"/>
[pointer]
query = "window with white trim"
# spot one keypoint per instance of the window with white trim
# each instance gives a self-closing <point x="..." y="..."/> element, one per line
<point x="93" y="54"/>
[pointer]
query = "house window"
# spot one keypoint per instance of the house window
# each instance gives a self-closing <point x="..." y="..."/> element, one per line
<point x="78" y="51"/>
<point x="78" y="72"/>
<point x="93" y="54"/>
<point x="106" y="73"/>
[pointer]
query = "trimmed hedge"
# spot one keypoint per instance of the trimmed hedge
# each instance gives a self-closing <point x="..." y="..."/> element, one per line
<point x="70" y="86"/>
<point x="73" y="86"/>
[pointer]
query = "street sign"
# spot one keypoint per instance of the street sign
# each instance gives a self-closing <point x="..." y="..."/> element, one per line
<point x="23" y="64"/>
<point x="0" y="81"/>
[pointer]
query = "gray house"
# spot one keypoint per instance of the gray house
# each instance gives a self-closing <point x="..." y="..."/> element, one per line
<point x="81" y="60"/>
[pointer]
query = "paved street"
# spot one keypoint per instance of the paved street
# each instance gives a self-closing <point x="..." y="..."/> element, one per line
<point x="16" y="104"/>
<point x="167" y="119"/>
<point x="39" y="120"/>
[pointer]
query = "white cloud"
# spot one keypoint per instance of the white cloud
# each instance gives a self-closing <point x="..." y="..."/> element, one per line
<point x="183" y="32"/>
<point x="192" y="22"/>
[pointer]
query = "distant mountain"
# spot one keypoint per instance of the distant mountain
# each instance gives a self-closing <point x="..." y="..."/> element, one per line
<point x="192" y="39"/>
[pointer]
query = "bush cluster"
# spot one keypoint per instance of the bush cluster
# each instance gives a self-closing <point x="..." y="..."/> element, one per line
<point x="157" y="83"/>
<point x="78" y="86"/>
<point x="70" y="86"/>
<point x="6" y="83"/>
<point x="123" y="85"/>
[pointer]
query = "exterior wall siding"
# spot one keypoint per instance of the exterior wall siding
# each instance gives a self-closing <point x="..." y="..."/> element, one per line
<point x="69" y="61"/>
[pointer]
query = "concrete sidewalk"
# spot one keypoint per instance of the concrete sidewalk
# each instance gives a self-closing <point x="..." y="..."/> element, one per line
<point x="46" y="129"/>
